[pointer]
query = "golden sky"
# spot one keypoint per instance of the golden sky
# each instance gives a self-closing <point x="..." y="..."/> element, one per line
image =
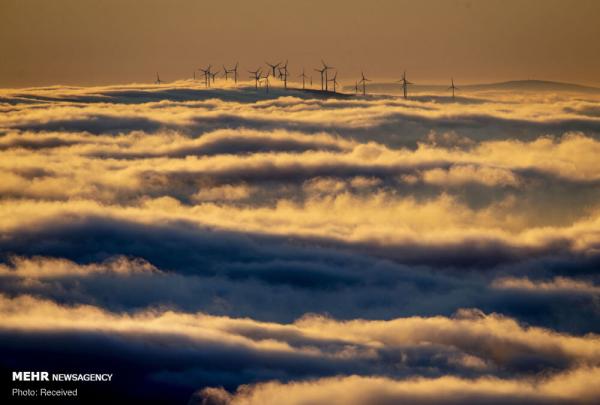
<point x="118" y="41"/>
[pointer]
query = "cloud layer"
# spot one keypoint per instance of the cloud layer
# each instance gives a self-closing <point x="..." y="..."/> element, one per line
<point x="232" y="247"/>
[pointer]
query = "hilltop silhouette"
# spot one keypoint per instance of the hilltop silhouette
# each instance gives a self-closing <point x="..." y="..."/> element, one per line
<point x="512" y="85"/>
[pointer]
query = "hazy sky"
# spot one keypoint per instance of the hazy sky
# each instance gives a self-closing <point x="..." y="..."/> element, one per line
<point x="104" y="41"/>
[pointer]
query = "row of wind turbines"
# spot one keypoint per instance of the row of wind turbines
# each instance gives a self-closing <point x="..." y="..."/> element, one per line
<point x="262" y="76"/>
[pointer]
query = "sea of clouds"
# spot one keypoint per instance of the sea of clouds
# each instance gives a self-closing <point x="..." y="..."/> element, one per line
<point x="229" y="246"/>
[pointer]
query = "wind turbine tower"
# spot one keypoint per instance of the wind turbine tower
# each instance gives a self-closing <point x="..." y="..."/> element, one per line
<point x="326" y="68"/>
<point x="256" y="76"/>
<point x="214" y="75"/>
<point x="266" y="79"/>
<point x="284" y="74"/>
<point x="334" y="81"/>
<point x="453" y="87"/>
<point x="235" y="73"/>
<point x="231" y="71"/>
<point x="364" y="81"/>
<point x="206" y="75"/>
<point x="303" y="76"/>
<point x="322" y="72"/>
<point x="226" y="73"/>
<point x="405" y="84"/>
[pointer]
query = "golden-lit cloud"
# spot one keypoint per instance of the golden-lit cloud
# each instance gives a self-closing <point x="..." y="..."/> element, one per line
<point x="473" y="340"/>
<point x="575" y="386"/>
<point x="460" y="175"/>
<point x="42" y="268"/>
<point x="557" y="285"/>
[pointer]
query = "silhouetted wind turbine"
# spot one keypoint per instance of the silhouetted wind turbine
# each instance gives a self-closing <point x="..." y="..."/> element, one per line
<point x="158" y="81"/>
<point x="283" y="71"/>
<point x="364" y="81"/>
<point x="321" y="71"/>
<point x="334" y="80"/>
<point x="234" y="70"/>
<point x="226" y="73"/>
<point x="266" y="79"/>
<point x="326" y="68"/>
<point x="405" y="84"/>
<point x="453" y="87"/>
<point x="206" y="75"/>
<point x="356" y="87"/>
<point x="273" y="67"/>
<point x="213" y="75"/>
<point x="255" y="76"/>
<point x="303" y="76"/>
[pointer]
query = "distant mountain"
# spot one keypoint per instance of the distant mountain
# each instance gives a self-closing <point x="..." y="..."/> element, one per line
<point x="533" y="85"/>
<point x="514" y="85"/>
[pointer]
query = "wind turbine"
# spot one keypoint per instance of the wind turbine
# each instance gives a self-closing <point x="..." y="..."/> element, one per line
<point x="453" y="87"/>
<point x="226" y="73"/>
<point x="230" y="71"/>
<point x="334" y="80"/>
<point x="256" y="76"/>
<point x="405" y="84"/>
<point x="356" y="87"/>
<point x="213" y="75"/>
<point x="266" y="79"/>
<point x="234" y="70"/>
<point x="326" y="68"/>
<point x="364" y="81"/>
<point x="206" y="75"/>
<point x="158" y="81"/>
<point x="273" y="67"/>
<point x="304" y="77"/>
<point x="283" y="71"/>
<point x="321" y="71"/>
